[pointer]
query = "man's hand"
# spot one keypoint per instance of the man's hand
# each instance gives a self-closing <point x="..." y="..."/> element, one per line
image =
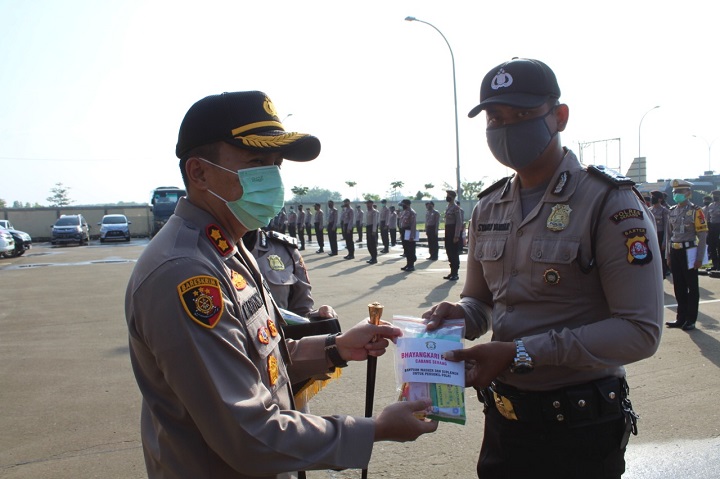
<point x="397" y="422"/>
<point x="366" y="339"/>
<point x="484" y="362"/>
<point x="435" y="316"/>
<point x="326" y="311"/>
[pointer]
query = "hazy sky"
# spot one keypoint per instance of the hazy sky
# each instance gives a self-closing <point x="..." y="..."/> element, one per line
<point x="92" y="92"/>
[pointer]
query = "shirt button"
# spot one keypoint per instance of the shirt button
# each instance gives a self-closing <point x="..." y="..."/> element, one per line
<point x="538" y="254"/>
<point x="519" y="233"/>
<point x="514" y="272"/>
<point x="510" y="309"/>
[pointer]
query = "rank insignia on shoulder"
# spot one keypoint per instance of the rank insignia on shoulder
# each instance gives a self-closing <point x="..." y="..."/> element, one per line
<point x="201" y="297"/>
<point x="609" y="175"/>
<point x="238" y="280"/>
<point x="638" y="249"/>
<point x="275" y="262"/>
<point x="216" y="237"/>
<point x="288" y="240"/>
<point x="559" y="218"/>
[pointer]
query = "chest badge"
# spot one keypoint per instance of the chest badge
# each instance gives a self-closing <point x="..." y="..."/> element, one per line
<point x="273" y="371"/>
<point x="551" y="276"/>
<point x="238" y="280"/>
<point x="263" y="335"/>
<point x="272" y="328"/>
<point x="559" y="218"/>
<point x="275" y="262"/>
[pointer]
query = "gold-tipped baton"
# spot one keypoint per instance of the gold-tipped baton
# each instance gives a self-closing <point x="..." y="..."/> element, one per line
<point x="375" y="309"/>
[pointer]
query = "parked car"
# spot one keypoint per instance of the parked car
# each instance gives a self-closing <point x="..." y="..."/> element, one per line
<point x="7" y="243"/>
<point x="114" y="227"/>
<point x="23" y="241"/>
<point x="70" y="229"/>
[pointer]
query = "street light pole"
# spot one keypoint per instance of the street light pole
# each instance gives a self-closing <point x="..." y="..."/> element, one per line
<point x="640" y="128"/>
<point x="457" y="134"/>
<point x="709" y="145"/>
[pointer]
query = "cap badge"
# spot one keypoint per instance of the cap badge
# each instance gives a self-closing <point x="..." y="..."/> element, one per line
<point x="501" y="80"/>
<point x="201" y="299"/>
<point x="269" y="107"/>
<point x="551" y="276"/>
<point x="559" y="217"/>
<point x="275" y="262"/>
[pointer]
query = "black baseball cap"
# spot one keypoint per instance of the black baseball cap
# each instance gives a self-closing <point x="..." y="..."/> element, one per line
<point x="521" y="82"/>
<point x="246" y="119"/>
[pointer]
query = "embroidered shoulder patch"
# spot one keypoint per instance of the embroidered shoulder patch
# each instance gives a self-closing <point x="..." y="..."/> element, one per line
<point x="638" y="249"/>
<point x="202" y="300"/>
<point x="626" y="214"/>
<point x="218" y="240"/>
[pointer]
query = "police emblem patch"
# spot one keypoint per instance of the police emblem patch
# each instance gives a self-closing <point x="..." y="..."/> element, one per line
<point x="273" y="371"/>
<point x="559" y="218"/>
<point x="218" y="240"/>
<point x="275" y="262"/>
<point x="238" y="280"/>
<point x="201" y="297"/>
<point x="638" y="249"/>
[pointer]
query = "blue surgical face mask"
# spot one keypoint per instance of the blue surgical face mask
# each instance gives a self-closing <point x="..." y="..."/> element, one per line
<point x="263" y="195"/>
<point x="518" y="145"/>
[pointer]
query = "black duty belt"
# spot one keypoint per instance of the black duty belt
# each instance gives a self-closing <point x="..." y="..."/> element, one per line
<point x="683" y="245"/>
<point x="596" y="401"/>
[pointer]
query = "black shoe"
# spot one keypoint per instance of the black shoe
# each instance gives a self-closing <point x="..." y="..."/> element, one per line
<point x="448" y="276"/>
<point x="432" y="258"/>
<point x="332" y="254"/>
<point x="404" y="268"/>
<point x="320" y="251"/>
<point x="454" y="277"/>
<point x="383" y="250"/>
<point x="409" y="268"/>
<point x="349" y="257"/>
<point x="371" y="261"/>
<point x="688" y="326"/>
<point x="302" y="248"/>
<point x="675" y="324"/>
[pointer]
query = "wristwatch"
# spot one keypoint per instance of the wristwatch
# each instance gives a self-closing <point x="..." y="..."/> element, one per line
<point x="332" y="352"/>
<point x="523" y="363"/>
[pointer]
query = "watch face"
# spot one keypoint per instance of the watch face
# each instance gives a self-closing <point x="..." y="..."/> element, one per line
<point x="522" y="368"/>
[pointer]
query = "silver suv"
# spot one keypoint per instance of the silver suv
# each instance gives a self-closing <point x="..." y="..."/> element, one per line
<point x="114" y="227"/>
<point x="70" y="229"/>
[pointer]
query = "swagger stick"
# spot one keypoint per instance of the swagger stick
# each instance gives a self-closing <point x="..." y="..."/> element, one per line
<point x="376" y="310"/>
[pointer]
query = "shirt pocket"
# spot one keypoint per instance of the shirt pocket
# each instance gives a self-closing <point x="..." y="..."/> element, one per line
<point x="554" y="269"/>
<point x="284" y="277"/>
<point x="490" y="252"/>
<point x="265" y="338"/>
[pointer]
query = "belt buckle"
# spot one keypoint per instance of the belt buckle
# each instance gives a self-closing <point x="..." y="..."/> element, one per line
<point x="677" y="245"/>
<point x="505" y="407"/>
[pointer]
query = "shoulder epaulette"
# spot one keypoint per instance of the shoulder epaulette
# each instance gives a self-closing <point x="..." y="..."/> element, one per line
<point x="610" y="176"/>
<point x="504" y="182"/>
<point x="288" y="240"/>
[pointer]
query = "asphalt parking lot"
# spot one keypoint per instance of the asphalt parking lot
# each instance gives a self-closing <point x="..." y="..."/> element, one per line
<point x="70" y="405"/>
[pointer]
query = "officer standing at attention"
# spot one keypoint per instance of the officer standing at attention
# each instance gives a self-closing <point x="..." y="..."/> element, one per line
<point x="292" y="222"/>
<point x="205" y="338"/>
<point x="563" y="265"/>
<point x="301" y="227"/>
<point x="359" y="216"/>
<point x="661" y="213"/>
<point x="347" y="223"/>
<point x="371" y="233"/>
<point x="309" y="224"/>
<point x="453" y="231"/>
<point x="408" y="227"/>
<point x="432" y="223"/>
<point x="319" y="222"/>
<point x="392" y="223"/>
<point x="685" y="250"/>
<point x="332" y="228"/>
<point x="384" y="213"/>
<point x="712" y="215"/>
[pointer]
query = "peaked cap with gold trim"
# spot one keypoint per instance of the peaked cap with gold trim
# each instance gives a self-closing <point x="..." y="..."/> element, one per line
<point x="246" y="119"/>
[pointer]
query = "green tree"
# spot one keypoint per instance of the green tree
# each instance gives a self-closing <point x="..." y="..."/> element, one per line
<point x="470" y="189"/>
<point x="299" y="192"/>
<point x="371" y="196"/>
<point x="60" y="195"/>
<point x="3" y="203"/>
<point x="395" y="185"/>
<point x="317" y="195"/>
